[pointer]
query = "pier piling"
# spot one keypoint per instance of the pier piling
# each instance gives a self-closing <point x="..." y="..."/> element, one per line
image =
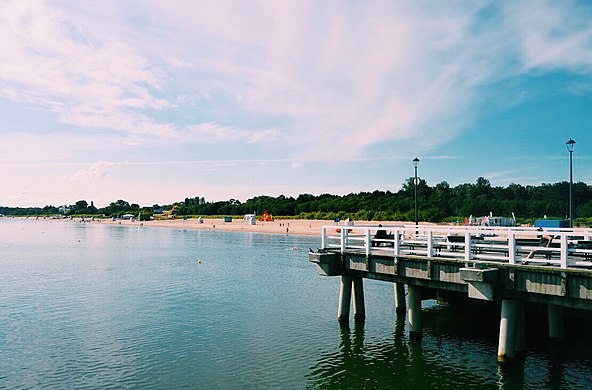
<point x="555" y="314"/>
<point x="359" y="308"/>
<point x="345" y="291"/>
<point x="520" y="331"/>
<point x="414" y="312"/>
<point x="400" y="306"/>
<point x="507" y="335"/>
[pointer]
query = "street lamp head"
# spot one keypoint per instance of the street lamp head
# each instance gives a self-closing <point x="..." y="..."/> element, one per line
<point x="416" y="161"/>
<point x="570" y="145"/>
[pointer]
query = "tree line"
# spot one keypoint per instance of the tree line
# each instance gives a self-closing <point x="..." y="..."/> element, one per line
<point x="440" y="203"/>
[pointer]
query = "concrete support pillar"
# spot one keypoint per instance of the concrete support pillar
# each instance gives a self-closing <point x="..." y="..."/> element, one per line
<point x="555" y="314"/>
<point x="359" y="308"/>
<point x="344" y="298"/>
<point x="414" y="311"/>
<point x="400" y="306"/>
<point x="507" y="335"/>
<point x="520" y="330"/>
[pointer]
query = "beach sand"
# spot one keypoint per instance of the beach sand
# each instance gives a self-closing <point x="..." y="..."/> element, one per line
<point x="280" y="226"/>
<point x="283" y="226"/>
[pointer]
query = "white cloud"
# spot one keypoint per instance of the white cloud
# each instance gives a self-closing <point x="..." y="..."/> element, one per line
<point x="97" y="170"/>
<point x="326" y="74"/>
<point x="212" y="132"/>
<point x="339" y="76"/>
<point x="552" y="35"/>
<point x="88" y="81"/>
<point x="308" y="81"/>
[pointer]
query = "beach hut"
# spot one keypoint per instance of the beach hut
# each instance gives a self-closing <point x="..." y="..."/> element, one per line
<point x="251" y="219"/>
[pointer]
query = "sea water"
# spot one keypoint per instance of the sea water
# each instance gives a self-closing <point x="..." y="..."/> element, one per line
<point x="96" y="306"/>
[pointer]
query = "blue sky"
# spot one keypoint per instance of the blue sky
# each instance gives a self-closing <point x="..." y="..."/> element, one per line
<point x="153" y="101"/>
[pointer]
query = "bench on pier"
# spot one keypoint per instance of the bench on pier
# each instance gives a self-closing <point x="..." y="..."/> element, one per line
<point x="454" y="240"/>
<point x="583" y="248"/>
<point x="528" y="241"/>
<point x="381" y="238"/>
<point x="532" y="245"/>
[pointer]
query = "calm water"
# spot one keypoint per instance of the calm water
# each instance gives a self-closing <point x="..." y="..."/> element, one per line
<point x="104" y="306"/>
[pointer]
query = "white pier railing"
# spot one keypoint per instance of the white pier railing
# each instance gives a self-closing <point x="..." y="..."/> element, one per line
<point x="516" y="245"/>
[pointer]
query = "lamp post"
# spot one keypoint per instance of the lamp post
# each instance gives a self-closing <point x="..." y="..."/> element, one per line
<point x="415" y="164"/>
<point x="570" y="147"/>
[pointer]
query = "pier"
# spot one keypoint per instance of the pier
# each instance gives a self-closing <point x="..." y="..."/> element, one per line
<point x="514" y="267"/>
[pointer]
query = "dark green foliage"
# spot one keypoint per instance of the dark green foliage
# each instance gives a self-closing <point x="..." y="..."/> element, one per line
<point x="28" y="211"/>
<point x="441" y="203"/>
<point x="145" y="215"/>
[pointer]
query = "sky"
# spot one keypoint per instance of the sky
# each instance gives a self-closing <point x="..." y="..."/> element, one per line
<point x="152" y="102"/>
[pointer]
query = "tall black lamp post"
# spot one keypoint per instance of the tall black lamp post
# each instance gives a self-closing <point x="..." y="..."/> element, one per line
<point x="570" y="147"/>
<point x="415" y="164"/>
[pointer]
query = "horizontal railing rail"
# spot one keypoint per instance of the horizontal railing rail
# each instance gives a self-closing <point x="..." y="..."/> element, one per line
<point x="513" y="245"/>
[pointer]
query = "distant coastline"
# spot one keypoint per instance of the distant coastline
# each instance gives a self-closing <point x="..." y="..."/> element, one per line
<point x="280" y="226"/>
<point x="283" y="226"/>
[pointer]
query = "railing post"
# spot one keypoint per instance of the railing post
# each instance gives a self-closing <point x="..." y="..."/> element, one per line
<point x="342" y="232"/>
<point x="467" y="245"/>
<point x="430" y="237"/>
<point x="563" y="250"/>
<point x="346" y="237"/>
<point x="368" y="242"/>
<point x="323" y="237"/>
<point x="396" y="242"/>
<point x="511" y="247"/>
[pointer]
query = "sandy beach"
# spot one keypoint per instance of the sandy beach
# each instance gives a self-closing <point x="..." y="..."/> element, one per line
<point x="280" y="226"/>
<point x="283" y="226"/>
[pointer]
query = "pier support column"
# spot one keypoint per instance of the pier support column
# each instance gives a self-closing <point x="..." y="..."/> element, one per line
<point x="400" y="306"/>
<point x="507" y="336"/>
<point x="414" y="312"/>
<point x="555" y="314"/>
<point x="359" y="308"/>
<point x="344" y="298"/>
<point x="520" y="330"/>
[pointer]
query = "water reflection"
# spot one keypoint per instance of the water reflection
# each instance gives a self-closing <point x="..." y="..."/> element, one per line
<point x="453" y="353"/>
<point x="388" y="363"/>
<point x="104" y="306"/>
<point x="511" y="376"/>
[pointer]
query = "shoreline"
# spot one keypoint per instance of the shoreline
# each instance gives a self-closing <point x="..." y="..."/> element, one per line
<point x="303" y="227"/>
<point x="283" y="226"/>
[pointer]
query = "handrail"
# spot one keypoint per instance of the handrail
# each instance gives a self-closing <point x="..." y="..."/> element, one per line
<point x="512" y="245"/>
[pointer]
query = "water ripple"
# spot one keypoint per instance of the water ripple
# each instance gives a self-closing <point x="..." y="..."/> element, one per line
<point x="89" y="306"/>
